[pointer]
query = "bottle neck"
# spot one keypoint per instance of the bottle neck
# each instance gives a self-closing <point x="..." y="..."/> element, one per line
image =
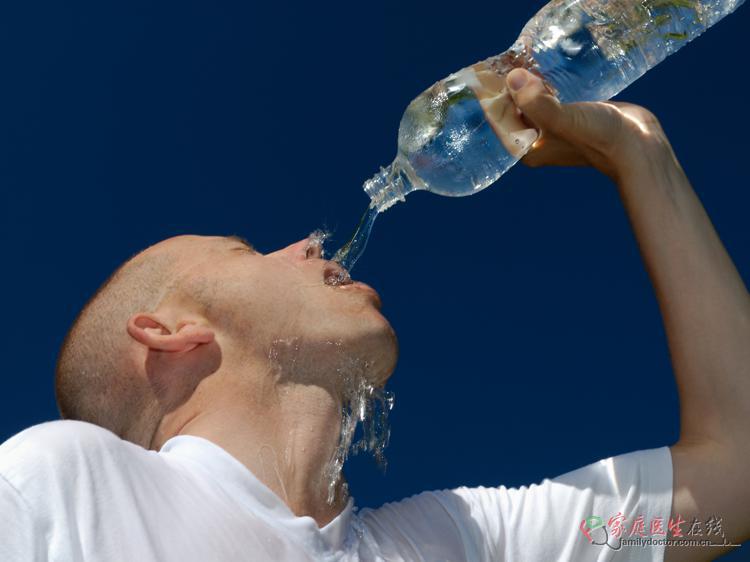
<point x="389" y="186"/>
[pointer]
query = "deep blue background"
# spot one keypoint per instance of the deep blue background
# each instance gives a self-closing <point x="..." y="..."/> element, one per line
<point x="531" y="340"/>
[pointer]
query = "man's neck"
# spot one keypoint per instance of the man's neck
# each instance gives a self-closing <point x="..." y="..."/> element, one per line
<point x="285" y="434"/>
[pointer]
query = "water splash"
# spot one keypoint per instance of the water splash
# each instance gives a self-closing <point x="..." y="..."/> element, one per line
<point x="362" y="403"/>
<point x="316" y="242"/>
<point x="369" y="406"/>
<point x="350" y="252"/>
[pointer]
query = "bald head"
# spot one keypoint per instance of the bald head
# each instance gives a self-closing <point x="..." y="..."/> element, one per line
<point x="94" y="379"/>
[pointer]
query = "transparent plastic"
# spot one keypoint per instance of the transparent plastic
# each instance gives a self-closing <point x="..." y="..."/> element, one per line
<point x="461" y="134"/>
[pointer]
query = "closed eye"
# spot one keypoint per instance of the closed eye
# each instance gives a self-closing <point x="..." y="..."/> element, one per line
<point x="245" y="245"/>
<point x="243" y="250"/>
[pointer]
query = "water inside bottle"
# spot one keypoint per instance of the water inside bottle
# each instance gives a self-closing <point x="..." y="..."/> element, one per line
<point x="463" y="133"/>
<point x="455" y="139"/>
<point x="590" y="50"/>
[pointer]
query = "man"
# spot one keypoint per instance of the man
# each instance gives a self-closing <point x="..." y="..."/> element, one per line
<point x="212" y="378"/>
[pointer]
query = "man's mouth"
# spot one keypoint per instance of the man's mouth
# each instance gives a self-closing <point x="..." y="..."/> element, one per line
<point x="337" y="276"/>
<point x="334" y="274"/>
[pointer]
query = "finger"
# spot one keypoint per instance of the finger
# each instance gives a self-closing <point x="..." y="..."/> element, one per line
<point x="539" y="106"/>
<point x="533" y="99"/>
<point x="550" y="151"/>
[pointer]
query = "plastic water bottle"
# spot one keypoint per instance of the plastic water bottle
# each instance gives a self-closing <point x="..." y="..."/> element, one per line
<point x="461" y="134"/>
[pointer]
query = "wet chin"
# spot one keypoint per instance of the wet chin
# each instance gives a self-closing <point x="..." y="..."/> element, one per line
<point x="382" y="354"/>
<point x="362" y="343"/>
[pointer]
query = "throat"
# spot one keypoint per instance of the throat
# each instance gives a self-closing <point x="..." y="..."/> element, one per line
<point x="291" y="425"/>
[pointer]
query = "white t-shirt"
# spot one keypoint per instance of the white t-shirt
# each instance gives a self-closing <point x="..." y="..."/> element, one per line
<point x="72" y="491"/>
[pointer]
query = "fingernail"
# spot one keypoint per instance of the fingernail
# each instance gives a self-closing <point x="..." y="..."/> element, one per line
<point x="517" y="79"/>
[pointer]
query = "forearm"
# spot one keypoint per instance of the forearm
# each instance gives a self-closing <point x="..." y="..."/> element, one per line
<point x="704" y="303"/>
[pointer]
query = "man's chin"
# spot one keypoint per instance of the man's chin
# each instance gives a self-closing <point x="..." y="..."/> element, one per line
<point x="383" y="355"/>
<point x="360" y="343"/>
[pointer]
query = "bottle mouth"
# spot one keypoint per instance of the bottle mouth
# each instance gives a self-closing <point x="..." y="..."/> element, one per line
<point x="386" y="188"/>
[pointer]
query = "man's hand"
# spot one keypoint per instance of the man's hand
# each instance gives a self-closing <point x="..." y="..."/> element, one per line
<point x="609" y="136"/>
<point x="704" y="303"/>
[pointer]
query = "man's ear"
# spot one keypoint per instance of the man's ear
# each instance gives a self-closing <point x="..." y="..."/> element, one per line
<point x="152" y="331"/>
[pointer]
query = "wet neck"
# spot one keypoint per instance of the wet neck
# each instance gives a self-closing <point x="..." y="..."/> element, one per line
<point x="285" y="434"/>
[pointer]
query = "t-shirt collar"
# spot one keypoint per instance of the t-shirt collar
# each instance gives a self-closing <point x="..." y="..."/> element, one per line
<point x="241" y="483"/>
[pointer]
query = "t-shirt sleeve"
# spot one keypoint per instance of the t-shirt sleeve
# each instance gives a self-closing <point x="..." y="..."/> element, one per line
<point x="580" y="516"/>
<point x="18" y="536"/>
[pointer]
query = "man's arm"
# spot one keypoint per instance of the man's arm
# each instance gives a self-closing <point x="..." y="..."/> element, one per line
<point x="706" y="311"/>
<point x="704" y="303"/>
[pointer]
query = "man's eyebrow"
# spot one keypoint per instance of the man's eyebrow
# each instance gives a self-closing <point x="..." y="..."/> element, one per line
<point x="241" y="240"/>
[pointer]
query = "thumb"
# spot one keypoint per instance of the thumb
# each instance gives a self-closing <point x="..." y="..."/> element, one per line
<point x="538" y="105"/>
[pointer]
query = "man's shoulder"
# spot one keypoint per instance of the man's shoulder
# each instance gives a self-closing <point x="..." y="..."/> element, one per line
<point x="55" y="435"/>
<point x="59" y="447"/>
<point x="59" y="427"/>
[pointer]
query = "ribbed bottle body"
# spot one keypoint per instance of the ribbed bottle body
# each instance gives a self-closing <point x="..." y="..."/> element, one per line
<point x="590" y="50"/>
